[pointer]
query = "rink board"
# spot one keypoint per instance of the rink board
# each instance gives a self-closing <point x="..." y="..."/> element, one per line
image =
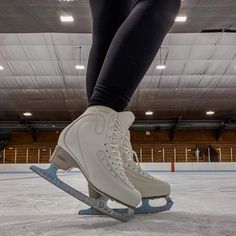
<point x="152" y="167"/>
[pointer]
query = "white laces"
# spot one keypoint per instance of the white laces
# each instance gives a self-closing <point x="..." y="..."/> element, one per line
<point x="115" y="155"/>
<point x="129" y="160"/>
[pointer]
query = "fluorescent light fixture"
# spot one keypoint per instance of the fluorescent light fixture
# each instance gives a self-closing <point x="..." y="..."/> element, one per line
<point x="67" y="19"/>
<point x="10" y="148"/>
<point x="161" y="67"/>
<point x="149" y="113"/>
<point x="210" y="113"/>
<point x="181" y="19"/>
<point x="27" y="114"/>
<point x="1" y="67"/>
<point x="79" y="67"/>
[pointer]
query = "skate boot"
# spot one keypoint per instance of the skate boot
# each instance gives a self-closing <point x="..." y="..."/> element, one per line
<point x="92" y="144"/>
<point x="147" y="185"/>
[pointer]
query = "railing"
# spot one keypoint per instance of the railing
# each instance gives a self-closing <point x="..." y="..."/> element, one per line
<point x="184" y="154"/>
<point x="29" y="155"/>
<point x="153" y="154"/>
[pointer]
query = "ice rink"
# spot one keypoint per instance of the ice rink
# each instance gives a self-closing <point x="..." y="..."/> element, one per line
<point x="205" y="204"/>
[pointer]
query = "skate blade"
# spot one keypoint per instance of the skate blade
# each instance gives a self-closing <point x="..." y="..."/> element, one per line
<point x="145" y="208"/>
<point x="99" y="204"/>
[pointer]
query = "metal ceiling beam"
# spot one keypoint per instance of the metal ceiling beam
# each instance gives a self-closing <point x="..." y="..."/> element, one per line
<point x="138" y="125"/>
<point x="218" y="132"/>
<point x="27" y="124"/>
<point x="174" y="128"/>
<point x="4" y="139"/>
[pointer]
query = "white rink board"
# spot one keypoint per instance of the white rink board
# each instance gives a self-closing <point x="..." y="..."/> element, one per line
<point x="223" y="166"/>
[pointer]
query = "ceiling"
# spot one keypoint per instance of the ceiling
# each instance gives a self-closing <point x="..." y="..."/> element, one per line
<point x="39" y="54"/>
<point x="34" y="16"/>
<point x="39" y="76"/>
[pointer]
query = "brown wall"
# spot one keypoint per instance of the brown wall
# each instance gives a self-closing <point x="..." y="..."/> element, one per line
<point x="151" y="145"/>
<point x="184" y="139"/>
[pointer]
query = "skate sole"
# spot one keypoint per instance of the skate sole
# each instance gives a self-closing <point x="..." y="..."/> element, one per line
<point x="100" y="205"/>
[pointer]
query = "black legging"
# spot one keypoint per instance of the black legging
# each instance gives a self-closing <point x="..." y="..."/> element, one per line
<point x="126" y="37"/>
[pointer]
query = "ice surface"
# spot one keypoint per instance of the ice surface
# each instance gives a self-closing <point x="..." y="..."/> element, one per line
<point x="205" y="204"/>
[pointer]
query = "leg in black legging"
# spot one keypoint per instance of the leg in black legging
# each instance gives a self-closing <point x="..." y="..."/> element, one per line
<point x="132" y="51"/>
<point x="107" y="16"/>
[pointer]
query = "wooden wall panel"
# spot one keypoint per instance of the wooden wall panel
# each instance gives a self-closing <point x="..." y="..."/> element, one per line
<point x="44" y="155"/>
<point x="9" y="156"/>
<point x="169" y="154"/>
<point x="225" y="152"/>
<point x="24" y="139"/>
<point x="33" y="155"/>
<point x="156" y="141"/>
<point x="234" y="154"/>
<point x="180" y="155"/>
<point x="158" y="154"/>
<point x="21" y="155"/>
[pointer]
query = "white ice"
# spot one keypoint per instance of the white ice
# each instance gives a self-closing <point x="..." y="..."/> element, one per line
<point x="205" y="204"/>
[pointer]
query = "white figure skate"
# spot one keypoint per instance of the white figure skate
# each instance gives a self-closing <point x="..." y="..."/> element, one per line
<point x="147" y="185"/>
<point x="92" y="144"/>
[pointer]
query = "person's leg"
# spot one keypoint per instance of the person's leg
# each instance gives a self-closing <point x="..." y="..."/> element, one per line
<point x="132" y="50"/>
<point x="107" y="16"/>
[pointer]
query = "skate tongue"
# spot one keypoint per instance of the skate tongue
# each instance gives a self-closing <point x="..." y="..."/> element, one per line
<point x="126" y="119"/>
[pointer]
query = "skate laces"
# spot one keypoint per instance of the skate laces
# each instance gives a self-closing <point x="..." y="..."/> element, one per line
<point x="129" y="160"/>
<point x="115" y="152"/>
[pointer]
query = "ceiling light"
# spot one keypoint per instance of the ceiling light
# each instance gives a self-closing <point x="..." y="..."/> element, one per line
<point x="79" y="67"/>
<point x="67" y="19"/>
<point x="161" y="67"/>
<point x="181" y="19"/>
<point x="27" y="114"/>
<point x="149" y="113"/>
<point x="1" y="67"/>
<point x="210" y="113"/>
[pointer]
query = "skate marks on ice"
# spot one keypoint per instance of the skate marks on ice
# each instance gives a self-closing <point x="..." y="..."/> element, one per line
<point x="204" y="205"/>
<point x="175" y="223"/>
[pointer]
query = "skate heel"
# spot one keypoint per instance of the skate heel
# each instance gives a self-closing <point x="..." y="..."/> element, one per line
<point x="62" y="159"/>
<point x="93" y="193"/>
